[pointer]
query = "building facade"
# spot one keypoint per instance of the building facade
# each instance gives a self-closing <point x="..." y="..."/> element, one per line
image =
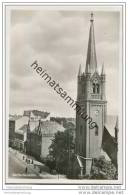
<point x="39" y="136"/>
<point x="33" y="132"/>
<point x="33" y="139"/>
<point x="48" y="130"/>
<point x="92" y="100"/>
<point x="17" y="130"/>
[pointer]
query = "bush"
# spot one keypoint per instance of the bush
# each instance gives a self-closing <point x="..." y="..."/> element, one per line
<point x="103" y="169"/>
<point x="50" y="163"/>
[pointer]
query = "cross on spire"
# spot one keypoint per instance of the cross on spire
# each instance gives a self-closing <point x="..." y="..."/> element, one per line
<point x="92" y="19"/>
<point x="80" y="72"/>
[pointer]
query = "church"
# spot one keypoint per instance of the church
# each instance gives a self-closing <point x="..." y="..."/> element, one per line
<point x="91" y="98"/>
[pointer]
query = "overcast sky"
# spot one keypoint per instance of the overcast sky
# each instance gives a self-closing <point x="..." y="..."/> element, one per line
<point x="58" y="41"/>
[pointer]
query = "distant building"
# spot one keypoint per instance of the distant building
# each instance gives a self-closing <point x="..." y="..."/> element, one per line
<point x="33" y="132"/>
<point x="48" y="130"/>
<point x="17" y="131"/>
<point x="39" y="137"/>
<point x="11" y="132"/>
<point x="63" y="120"/>
<point x="33" y="139"/>
<point x="36" y="114"/>
<point x="67" y="123"/>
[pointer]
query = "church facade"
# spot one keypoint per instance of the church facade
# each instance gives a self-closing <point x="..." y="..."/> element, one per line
<point x="92" y="99"/>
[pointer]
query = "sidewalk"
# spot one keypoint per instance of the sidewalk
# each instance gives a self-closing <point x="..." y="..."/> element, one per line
<point x="35" y="166"/>
<point x="31" y="166"/>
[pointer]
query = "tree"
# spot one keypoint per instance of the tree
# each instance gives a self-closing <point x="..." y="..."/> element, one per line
<point x="61" y="150"/>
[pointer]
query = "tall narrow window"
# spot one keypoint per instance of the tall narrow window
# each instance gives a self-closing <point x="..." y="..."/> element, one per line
<point x="94" y="88"/>
<point x="96" y="130"/>
<point x="97" y="88"/>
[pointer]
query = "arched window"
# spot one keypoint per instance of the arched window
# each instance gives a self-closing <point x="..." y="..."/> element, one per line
<point x="96" y="130"/>
<point x="97" y="88"/>
<point x="94" y="88"/>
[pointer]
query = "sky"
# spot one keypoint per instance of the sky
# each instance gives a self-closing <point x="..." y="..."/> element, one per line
<point x="58" y="40"/>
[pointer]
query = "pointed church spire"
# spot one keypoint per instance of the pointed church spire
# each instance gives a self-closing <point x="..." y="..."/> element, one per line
<point x="80" y="72"/>
<point x="102" y="71"/>
<point x="87" y="70"/>
<point x="91" y="52"/>
<point x="116" y="126"/>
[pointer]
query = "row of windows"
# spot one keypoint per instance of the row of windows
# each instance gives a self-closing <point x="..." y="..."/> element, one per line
<point x="95" y="88"/>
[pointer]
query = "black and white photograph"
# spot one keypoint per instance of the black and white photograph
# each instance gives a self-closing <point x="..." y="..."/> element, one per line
<point x="64" y="95"/>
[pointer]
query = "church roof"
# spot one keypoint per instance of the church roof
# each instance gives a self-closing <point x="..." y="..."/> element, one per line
<point x="50" y="127"/>
<point x="14" y="117"/>
<point x="109" y="145"/>
<point x="110" y="124"/>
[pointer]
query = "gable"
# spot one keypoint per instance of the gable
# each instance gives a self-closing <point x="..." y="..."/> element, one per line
<point x="95" y="76"/>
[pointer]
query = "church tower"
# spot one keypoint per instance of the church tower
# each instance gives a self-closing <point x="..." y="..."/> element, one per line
<point x="92" y="100"/>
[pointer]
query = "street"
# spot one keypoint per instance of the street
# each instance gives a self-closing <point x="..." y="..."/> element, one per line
<point x="19" y="168"/>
